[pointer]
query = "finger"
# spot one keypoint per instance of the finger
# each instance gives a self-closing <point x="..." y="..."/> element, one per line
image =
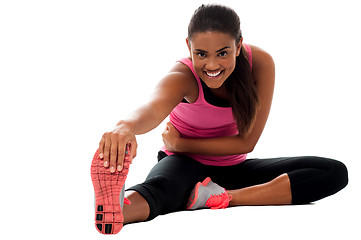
<point x="101" y="148"/>
<point x="127" y="153"/>
<point x="132" y="158"/>
<point x="113" y="154"/>
<point x="132" y="149"/>
<point x="121" y="155"/>
<point x="127" y="150"/>
<point x="106" y="151"/>
<point x="165" y="132"/>
<point x="166" y="129"/>
<point x="128" y="156"/>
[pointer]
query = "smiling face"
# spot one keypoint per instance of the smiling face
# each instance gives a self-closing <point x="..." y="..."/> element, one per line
<point x="214" y="56"/>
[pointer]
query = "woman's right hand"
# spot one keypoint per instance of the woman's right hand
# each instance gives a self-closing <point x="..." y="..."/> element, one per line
<point x="113" y="147"/>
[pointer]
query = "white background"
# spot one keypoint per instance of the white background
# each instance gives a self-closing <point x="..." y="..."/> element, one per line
<point x="70" y="69"/>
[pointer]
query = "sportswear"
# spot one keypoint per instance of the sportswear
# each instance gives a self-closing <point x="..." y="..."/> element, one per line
<point x="169" y="184"/>
<point x="109" y="195"/>
<point x="203" y="120"/>
<point x="208" y="194"/>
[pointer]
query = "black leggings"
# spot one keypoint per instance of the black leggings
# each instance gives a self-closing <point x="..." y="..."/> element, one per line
<point x="170" y="182"/>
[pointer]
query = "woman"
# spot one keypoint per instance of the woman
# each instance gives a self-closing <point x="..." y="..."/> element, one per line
<point x="218" y="100"/>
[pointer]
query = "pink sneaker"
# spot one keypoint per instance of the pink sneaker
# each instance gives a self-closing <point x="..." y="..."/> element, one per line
<point x="109" y="195"/>
<point x="208" y="195"/>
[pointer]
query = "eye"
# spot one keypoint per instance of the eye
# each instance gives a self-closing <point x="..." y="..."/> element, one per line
<point x="201" y="55"/>
<point x="222" y="54"/>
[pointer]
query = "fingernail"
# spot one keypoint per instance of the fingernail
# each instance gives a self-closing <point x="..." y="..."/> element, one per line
<point x="119" y="168"/>
<point x="105" y="164"/>
<point x="112" y="169"/>
<point x="101" y="155"/>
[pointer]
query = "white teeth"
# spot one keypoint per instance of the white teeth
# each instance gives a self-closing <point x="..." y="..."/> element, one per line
<point x="213" y="74"/>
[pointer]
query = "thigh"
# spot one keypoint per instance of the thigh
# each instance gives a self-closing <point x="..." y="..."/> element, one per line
<point x="257" y="171"/>
<point x="171" y="181"/>
<point x="180" y="170"/>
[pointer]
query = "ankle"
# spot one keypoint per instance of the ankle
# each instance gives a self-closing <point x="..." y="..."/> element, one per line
<point x="138" y="211"/>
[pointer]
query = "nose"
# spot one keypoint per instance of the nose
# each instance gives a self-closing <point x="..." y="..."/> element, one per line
<point x="212" y="64"/>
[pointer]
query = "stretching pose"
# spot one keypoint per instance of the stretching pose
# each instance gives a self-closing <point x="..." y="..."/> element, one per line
<point x="218" y="101"/>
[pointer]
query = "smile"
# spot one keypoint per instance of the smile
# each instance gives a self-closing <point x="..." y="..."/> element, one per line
<point x="213" y="74"/>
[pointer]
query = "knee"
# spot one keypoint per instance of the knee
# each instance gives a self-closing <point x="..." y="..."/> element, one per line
<point x="160" y="183"/>
<point x="167" y="194"/>
<point x="339" y="174"/>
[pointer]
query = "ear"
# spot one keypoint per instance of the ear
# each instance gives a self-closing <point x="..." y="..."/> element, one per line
<point x="189" y="46"/>
<point x="239" y="46"/>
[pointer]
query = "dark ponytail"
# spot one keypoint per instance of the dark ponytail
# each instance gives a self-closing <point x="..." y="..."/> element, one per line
<point x="242" y="94"/>
<point x="240" y="87"/>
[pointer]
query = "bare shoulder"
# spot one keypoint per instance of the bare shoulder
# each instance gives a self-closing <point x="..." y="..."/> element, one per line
<point x="263" y="67"/>
<point x="182" y="70"/>
<point x="186" y="80"/>
<point x="261" y="58"/>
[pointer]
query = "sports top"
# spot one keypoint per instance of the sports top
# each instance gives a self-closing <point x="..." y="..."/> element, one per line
<point x="203" y="120"/>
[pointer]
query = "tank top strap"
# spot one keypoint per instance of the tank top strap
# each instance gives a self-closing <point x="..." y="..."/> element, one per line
<point x="189" y="63"/>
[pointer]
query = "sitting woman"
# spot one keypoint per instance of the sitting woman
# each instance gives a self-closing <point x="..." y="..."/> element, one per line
<point x="218" y="100"/>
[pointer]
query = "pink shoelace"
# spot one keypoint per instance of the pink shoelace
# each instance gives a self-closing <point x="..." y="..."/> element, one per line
<point x="127" y="201"/>
<point x="220" y="201"/>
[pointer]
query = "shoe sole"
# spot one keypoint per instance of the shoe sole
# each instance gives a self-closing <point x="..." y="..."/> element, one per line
<point x="107" y="186"/>
<point x="193" y="197"/>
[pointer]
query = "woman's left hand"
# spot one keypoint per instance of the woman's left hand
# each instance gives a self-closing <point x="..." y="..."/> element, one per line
<point x="171" y="138"/>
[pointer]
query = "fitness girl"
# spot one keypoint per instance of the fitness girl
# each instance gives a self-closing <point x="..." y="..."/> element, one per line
<point x="218" y="101"/>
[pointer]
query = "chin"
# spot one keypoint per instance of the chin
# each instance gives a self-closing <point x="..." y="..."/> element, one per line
<point x="214" y="86"/>
<point x="214" y="83"/>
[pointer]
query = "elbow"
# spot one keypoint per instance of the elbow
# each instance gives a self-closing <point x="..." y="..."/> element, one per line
<point x="244" y="146"/>
<point x="250" y="148"/>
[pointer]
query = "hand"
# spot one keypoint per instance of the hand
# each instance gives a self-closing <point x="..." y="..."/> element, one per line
<point x="171" y="138"/>
<point x="115" y="145"/>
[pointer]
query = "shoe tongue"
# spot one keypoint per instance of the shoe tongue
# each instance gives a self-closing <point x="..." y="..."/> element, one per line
<point x="206" y="181"/>
<point x="214" y="188"/>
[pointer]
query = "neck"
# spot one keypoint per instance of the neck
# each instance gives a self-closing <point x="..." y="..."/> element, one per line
<point x="220" y="92"/>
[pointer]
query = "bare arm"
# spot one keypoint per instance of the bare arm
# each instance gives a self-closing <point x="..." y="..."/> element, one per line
<point x="263" y="73"/>
<point x="168" y="93"/>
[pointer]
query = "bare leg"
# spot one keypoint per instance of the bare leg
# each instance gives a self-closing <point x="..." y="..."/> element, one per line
<point x="138" y="211"/>
<point x="275" y="192"/>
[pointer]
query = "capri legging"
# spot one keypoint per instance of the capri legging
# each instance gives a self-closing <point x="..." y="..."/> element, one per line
<point x="170" y="182"/>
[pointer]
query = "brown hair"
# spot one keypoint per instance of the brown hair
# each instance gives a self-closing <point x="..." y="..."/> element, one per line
<point x="240" y="87"/>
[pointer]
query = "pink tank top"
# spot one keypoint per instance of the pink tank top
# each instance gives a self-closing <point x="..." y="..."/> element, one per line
<point x="203" y="120"/>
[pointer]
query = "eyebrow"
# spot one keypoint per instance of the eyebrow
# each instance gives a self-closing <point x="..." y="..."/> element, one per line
<point x="220" y="50"/>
